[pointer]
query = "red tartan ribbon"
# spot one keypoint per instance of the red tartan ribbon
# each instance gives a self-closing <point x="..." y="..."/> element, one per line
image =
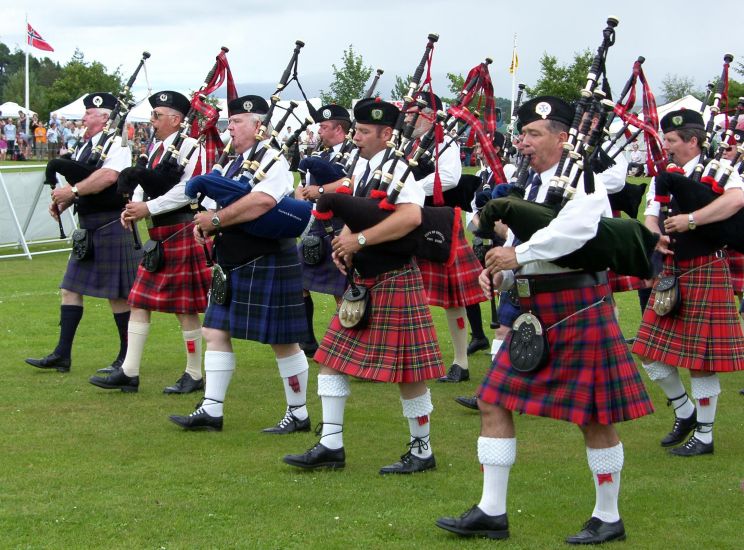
<point x="492" y="158"/>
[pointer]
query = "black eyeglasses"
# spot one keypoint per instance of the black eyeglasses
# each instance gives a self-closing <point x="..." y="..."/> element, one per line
<point x="156" y="115"/>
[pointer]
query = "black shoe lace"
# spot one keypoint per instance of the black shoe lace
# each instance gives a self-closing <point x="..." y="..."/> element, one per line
<point x="419" y="444"/>
<point x="592" y="524"/>
<point x="200" y="406"/>
<point x="289" y="416"/>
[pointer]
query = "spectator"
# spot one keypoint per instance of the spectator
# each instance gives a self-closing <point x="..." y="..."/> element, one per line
<point x="34" y="124"/>
<point x="39" y="140"/>
<point x="3" y="147"/>
<point x="9" y="132"/>
<point x="53" y="139"/>
<point x="637" y="161"/>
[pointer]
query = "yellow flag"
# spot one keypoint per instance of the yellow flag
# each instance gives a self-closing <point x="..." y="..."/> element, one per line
<point x="514" y="62"/>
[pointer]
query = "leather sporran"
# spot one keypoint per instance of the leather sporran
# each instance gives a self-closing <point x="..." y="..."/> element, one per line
<point x="313" y="249"/>
<point x="82" y="244"/>
<point x="355" y="307"/>
<point x="153" y="256"/>
<point x="667" y="297"/>
<point x="220" y="289"/>
<point x="529" y="348"/>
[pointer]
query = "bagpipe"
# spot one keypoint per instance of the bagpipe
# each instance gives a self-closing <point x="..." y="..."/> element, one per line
<point x="623" y="245"/>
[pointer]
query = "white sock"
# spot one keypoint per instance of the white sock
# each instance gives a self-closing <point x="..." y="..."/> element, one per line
<point x="458" y="331"/>
<point x="497" y="455"/>
<point x="294" y="371"/>
<point x="705" y="391"/>
<point x="495" y="346"/>
<point x="669" y="381"/>
<point x="219" y="367"/>
<point x="417" y="411"/>
<point x="136" y="338"/>
<point x="333" y="391"/>
<point x="192" y="339"/>
<point x="606" y="465"/>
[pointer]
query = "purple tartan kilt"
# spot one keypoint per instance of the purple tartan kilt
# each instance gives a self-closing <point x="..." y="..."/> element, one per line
<point x="455" y="285"/>
<point x="111" y="271"/>
<point x="399" y="343"/>
<point x="705" y="333"/>
<point x="266" y="303"/>
<point x="181" y="285"/>
<point x="590" y="374"/>
<point x="324" y="277"/>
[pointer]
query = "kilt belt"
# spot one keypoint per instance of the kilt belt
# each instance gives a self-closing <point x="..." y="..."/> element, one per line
<point x="536" y="284"/>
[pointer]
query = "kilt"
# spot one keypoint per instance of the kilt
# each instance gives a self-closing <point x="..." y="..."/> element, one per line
<point x="455" y="285"/>
<point x="736" y="269"/>
<point x="705" y="334"/>
<point x="624" y="283"/>
<point x="590" y="374"/>
<point x="111" y="271"/>
<point x="181" y="285"/>
<point x="324" y="277"/>
<point x="399" y="343"/>
<point x="266" y="302"/>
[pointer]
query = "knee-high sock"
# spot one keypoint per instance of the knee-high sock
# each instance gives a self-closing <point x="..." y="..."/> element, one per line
<point x="497" y="455"/>
<point x="293" y="370"/>
<point x="137" y="337"/>
<point x="218" y="368"/>
<point x="669" y="381"/>
<point x="417" y="411"/>
<point x="69" y="319"/>
<point x="705" y="391"/>
<point x="475" y="319"/>
<point x="333" y="391"/>
<point x="192" y="339"/>
<point x="459" y="333"/>
<point x="606" y="465"/>
<point x="122" y="326"/>
<point x="309" y="312"/>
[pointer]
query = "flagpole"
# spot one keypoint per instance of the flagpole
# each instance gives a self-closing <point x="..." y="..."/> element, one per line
<point x="514" y="74"/>
<point x="27" y="109"/>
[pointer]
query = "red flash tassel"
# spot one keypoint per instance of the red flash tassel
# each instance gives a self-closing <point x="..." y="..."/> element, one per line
<point x="460" y="323"/>
<point x="423" y="420"/>
<point x="294" y="383"/>
<point x="385" y="205"/>
<point x="323" y="215"/>
<point x="604" y="478"/>
<point x="344" y="190"/>
<point x="704" y="401"/>
<point x="190" y="346"/>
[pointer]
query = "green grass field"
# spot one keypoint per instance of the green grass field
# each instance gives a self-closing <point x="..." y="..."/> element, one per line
<point x="86" y="468"/>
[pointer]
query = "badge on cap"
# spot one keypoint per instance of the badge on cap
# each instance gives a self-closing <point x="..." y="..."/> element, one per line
<point x="543" y="109"/>
<point x="376" y="114"/>
<point x="326" y="114"/>
<point x="97" y="101"/>
<point x="678" y="120"/>
<point x="163" y="97"/>
<point x="248" y="106"/>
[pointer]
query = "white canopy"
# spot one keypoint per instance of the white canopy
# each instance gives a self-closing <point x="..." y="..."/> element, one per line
<point x="72" y="111"/>
<point x="11" y="108"/>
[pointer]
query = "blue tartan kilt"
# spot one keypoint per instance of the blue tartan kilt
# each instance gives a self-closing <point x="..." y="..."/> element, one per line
<point x="266" y="303"/>
<point x="110" y="273"/>
<point x="325" y="276"/>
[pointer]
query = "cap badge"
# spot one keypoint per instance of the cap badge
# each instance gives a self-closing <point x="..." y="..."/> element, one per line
<point x="677" y="120"/>
<point x="248" y="106"/>
<point x="543" y="109"/>
<point x="163" y="97"/>
<point x="326" y="114"/>
<point x="97" y="101"/>
<point x="376" y="114"/>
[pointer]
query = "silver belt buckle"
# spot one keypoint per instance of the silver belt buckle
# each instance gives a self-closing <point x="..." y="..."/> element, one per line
<point x="523" y="288"/>
<point x="720" y="253"/>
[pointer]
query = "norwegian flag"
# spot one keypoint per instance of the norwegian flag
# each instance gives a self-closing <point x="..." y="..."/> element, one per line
<point x="35" y="39"/>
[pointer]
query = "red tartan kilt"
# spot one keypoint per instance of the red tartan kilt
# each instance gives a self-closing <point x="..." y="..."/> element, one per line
<point x="399" y="343"/>
<point x="181" y="285"/>
<point x="455" y="285"/>
<point x="736" y="268"/>
<point x="590" y="375"/>
<point x="705" y="334"/>
<point x="624" y="283"/>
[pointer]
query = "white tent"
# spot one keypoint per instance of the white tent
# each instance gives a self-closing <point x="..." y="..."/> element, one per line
<point x="72" y="111"/>
<point x="11" y="108"/>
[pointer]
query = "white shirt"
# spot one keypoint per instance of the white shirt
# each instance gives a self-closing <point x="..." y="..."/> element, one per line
<point x="119" y="157"/>
<point x="411" y="192"/>
<point x="279" y="181"/>
<point x="450" y="169"/>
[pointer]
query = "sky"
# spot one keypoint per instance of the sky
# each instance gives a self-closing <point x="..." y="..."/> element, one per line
<point x="676" y="38"/>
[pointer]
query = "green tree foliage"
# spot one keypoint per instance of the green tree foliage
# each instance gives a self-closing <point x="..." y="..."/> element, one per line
<point x="400" y="88"/>
<point x="564" y="81"/>
<point x="675" y="87"/>
<point x="349" y="81"/>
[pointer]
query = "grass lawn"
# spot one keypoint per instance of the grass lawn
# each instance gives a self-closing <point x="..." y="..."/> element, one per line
<point x="87" y="468"/>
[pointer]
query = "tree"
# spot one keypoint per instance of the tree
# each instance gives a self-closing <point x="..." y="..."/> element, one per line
<point x="675" y="86"/>
<point x="564" y="81"/>
<point x="400" y="88"/>
<point x="349" y="81"/>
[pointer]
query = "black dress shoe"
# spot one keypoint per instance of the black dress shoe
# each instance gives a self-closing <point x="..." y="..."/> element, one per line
<point x="680" y="430"/>
<point x="409" y="463"/>
<point x="693" y="447"/>
<point x="455" y="374"/>
<point x="51" y="361"/>
<point x="741" y="392"/>
<point x="475" y="522"/>
<point x="477" y="344"/>
<point x="198" y="420"/>
<point x="113" y="367"/>
<point x="185" y="384"/>
<point x="318" y="456"/>
<point x="309" y="348"/>
<point x="116" y="381"/>
<point x="596" y="531"/>
<point x="469" y="402"/>
<point x="289" y="424"/>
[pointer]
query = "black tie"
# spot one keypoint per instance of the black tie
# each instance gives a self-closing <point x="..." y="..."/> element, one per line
<point x="535" y="187"/>
<point x="85" y="153"/>
<point x="234" y="167"/>
<point x="361" y="188"/>
<point x="326" y="155"/>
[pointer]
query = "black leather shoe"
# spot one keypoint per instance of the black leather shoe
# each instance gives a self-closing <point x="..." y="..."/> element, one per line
<point x="693" y="447"/>
<point x="113" y="367"/>
<point x="309" y="348"/>
<point x="51" y="361"/>
<point x="469" y="402"/>
<point x="116" y="381"/>
<point x="475" y="522"/>
<point x="741" y="392"/>
<point x="318" y="456"/>
<point x="289" y="424"/>
<point x="455" y="374"/>
<point x="198" y="420"/>
<point x="596" y="531"/>
<point x="477" y="344"/>
<point x="680" y="430"/>
<point x="185" y="384"/>
<point x="409" y="463"/>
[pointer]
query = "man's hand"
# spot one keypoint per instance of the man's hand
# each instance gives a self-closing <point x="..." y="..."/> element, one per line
<point x="490" y="284"/>
<point x="203" y="221"/>
<point x="663" y="245"/>
<point x="345" y="246"/>
<point x="310" y="192"/>
<point x="677" y="224"/>
<point x="63" y="196"/>
<point x="501" y="258"/>
<point x="135" y="211"/>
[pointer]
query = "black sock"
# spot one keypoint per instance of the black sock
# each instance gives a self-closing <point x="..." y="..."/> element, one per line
<point x="309" y="312"/>
<point x="476" y="321"/>
<point x="69" y="319"/>
<point x="122" y="325"/>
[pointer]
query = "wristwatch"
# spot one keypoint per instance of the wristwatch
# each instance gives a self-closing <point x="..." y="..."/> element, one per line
<point x="361" y="239"/>
<point x="691" y="222"/>
<point x="320" y="190"/>
<point x="74" y="190"/>
<point x="216" y="220"/>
